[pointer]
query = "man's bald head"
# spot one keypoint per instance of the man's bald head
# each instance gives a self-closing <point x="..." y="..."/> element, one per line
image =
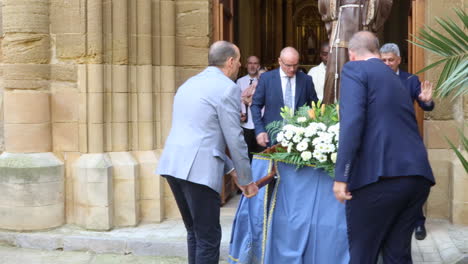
<point x="289" y="61"/>
<point x="364" y="43"/>
<point x="289" y="52"/>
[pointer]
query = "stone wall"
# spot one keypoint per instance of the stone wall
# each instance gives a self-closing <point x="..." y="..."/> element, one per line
<point x="112" y="90"/>
<point x="448" y="198"/>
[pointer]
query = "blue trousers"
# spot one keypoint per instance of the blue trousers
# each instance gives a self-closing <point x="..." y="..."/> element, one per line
<point x="199" y="206"/>
<point x="382" y="216"/>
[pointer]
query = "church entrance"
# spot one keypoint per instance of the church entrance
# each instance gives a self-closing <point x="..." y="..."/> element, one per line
<point x="264" y="27"/>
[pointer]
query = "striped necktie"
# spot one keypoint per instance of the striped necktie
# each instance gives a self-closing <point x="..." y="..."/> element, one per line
<point x="288" y="94"/>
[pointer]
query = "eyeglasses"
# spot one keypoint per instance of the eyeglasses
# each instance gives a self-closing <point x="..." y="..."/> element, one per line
<point x="294" y="66"/>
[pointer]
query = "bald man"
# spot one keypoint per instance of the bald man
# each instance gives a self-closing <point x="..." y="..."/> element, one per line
<point x="382" y="170"/>
<point x="285" y="86"/>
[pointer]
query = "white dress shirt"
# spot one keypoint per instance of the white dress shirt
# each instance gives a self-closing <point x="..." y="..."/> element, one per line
<point x="243" y="83"/>
<point x="318" y="77"/>
<point x="284" y="81"/>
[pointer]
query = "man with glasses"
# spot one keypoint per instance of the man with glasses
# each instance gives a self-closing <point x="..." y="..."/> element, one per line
<point x="285" y="86"/>
<point x="247" y="85"/>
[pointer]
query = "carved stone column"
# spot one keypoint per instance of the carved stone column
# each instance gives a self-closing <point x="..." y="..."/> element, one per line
<point x="31" y="178"/>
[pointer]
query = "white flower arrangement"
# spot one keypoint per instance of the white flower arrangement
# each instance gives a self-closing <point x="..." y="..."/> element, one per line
<point x="308" y="137"/>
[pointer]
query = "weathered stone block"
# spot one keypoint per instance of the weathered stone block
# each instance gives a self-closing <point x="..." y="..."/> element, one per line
<point x="126" y="189"/>
<point x="63" y="72"/>
<point x="93" y="191"/>
<point x="120" y="111"/>
<point x="65" y="105"/>
<point x="96" y="138"/>
<point x="31" y="187"/>
<point x="151" y="192"/>
<point x="145" y="136"/>
<point x="26" y="48"/>
<point x="460" y="181"/>
<point x="25" y="16"/>
<point x="193" y="19"/>
<point x="168" y="17"/>
<point x="439" y="200"/>
<point x="156" y="79"/>
<point x="156" y="50"/>
<point x="96" y="108"/>
<point x="71" y="45"/>
<point x="460" y="213"/>
<point x="145" y="48"/>
<point x="145" y="78"/>
<point x="168" y="74"/>
<point x="95" y="73"/>
<point x="67" y="16"/>
<point x="436" y="131"/>
<point x="27" y="138"/>
<point x="145" y="107"/>
<point x="182" y="74"/>
<point x="65" y="136"/>
<point x="192" y="51"/>
<point x="120" y="137"/>
<point x="26" y="71"/>
<point x="120" y="79"/>
<point x="83" y="137"/>
<point x="27" y="107"/>
<point x="19" y="218"/>
<point x="169" y="49"/>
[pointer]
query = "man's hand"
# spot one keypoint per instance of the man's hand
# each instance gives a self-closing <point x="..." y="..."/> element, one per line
<point x="262" y="139"/>
<point x="250" y="190"/>
<point x="341" y="191"/>
<point x="426" y="92"/>
<point x="243" y="117"/>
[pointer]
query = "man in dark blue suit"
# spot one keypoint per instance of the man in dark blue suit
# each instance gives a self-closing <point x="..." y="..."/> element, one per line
<point x="382" y="170"/>
<point x="285" y="86"/>
<point x="390" y="55"/>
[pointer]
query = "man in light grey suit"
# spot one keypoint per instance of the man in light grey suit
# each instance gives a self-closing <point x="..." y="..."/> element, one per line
<point x="205" y="119"/>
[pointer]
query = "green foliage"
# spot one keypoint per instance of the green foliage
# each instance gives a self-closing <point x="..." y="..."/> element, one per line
<point x="451" y="44"/>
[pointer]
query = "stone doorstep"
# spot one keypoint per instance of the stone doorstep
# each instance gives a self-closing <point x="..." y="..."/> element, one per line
<point x="118" y="241"/>
<point x="142" y="241"/>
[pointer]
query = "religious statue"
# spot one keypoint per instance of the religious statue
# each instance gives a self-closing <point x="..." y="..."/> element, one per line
<point x="342" y="19"/>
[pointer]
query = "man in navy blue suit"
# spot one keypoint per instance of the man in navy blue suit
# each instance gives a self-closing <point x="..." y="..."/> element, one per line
<point x="382" y="170"/>
<point x="285" y="86"/>
<point x="390" y="55"/>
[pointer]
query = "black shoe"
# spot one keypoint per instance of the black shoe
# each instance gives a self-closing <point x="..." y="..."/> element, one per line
<point x="420" y="232"/>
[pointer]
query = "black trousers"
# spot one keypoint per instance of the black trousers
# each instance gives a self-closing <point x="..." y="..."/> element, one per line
<point x="199" y="206"/>
<point x="251" y="140"/>
<point x="382" y="216"/>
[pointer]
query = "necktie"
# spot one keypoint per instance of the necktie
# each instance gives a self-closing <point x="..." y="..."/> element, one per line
<point x="247" y="106"/>
<point x="288" y="94"/>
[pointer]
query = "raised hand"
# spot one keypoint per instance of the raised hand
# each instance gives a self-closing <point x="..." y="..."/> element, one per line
<point x="426" y="92"/>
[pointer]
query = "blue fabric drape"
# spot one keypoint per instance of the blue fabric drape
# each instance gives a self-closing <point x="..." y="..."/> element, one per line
<point x="306" y="224"/>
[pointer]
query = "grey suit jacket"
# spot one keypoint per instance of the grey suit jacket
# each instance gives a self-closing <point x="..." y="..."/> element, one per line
<point x="206" y="118"/>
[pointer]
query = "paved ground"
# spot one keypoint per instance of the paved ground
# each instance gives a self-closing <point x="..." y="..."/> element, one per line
<point x="165" y="244"/>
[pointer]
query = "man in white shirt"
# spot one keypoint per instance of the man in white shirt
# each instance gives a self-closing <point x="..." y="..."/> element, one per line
<point x="318" y="72"/>
<point x="247" y="85"/>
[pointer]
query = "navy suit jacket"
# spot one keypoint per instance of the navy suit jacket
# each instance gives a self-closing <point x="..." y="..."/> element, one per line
<point x="414" y="85"/>
<point x="378" y="132"/>
<point x="269" y="94"/>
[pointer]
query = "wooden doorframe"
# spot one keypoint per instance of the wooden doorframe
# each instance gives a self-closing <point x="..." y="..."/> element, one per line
<point x="223" y="20"/>
<point x="223" y="29"/>
<point x="416" y="58"/>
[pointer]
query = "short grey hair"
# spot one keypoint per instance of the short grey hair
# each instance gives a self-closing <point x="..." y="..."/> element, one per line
<point x="220" y="52"/>
<point x="390" y="48"/>
<point x="364" y="42"/>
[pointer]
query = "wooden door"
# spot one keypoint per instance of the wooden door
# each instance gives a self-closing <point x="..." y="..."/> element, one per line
<point x="223" y="29"/>
<point x="415" y="54"/>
